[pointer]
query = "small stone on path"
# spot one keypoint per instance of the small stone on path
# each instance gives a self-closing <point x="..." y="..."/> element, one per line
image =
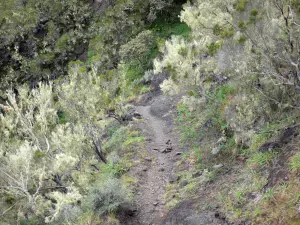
<point x="167" y="150"/>
<point x="173" y="178"/>
<point x="197" y="174"/>
<point x="184" y="183"/>
<point x="145" y="168"/>
<point x="137" y="115"/>
<point x="218" y="166"/>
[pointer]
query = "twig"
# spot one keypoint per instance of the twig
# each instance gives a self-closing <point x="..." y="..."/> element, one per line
<point x="274" y="100"/>
<point x="5" y="211"/>
<point x="279" y="129"/>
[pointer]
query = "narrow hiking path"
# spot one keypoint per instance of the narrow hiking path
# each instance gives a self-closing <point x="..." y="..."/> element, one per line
<point x="156" y="171"/>
<point x="158" y="167"/>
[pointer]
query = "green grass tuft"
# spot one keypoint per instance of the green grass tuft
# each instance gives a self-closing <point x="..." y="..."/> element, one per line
<point x="295" y="162"/>
<point x="261" y="159"/>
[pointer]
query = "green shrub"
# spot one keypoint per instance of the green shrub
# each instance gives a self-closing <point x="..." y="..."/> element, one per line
<point x="33" y="221"/>
<point x="181" y="29"/>
<point x="38" y="155"/>
<point x="227" y="32"/>
<point x="253" y="16"/>
<point x="213" y="48"/>
<point x="10" y="199"/>
<point x="242" y="39"/>
<point x="188" y="126"/>
<point x="242" y="25"/>
<point x="62" y="118"/>
<point x="240" y="6"/>
<point x="108" y="197"/>
<point x="112" y="129"/>
<point x="138" y="47"/>
<point x="223" y="92"/>
<point x="116" y="169"/>
<point x="134" y="71"/>
<point x="217" y="29"/>
<point x="165" y="29"/>
<point x="116" y="140"/>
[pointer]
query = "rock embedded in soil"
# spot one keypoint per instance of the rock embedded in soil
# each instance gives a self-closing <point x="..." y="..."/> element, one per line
<point x="269" y="147"/>
<point x="167" y="150"/>
<point x="128" y="208"/>
<point x="184" y="183"/>
<point x="197" y="174"/>
<point x="137" y="115"/>
<point x="218" y="166"/>
<point x="148" y="159"/>
<point x="145" y="168"/>
<point x="173" y="178"/>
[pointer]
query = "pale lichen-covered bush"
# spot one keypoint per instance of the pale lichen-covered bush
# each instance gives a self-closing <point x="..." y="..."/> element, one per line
<point x="245" y="114"/>
<point x="34" y="152"/>
<point x="237" y="38"/>
<point x="30" y="114"/>
<point x="156" y="7"/>
<point x="63" y="199"/>
<point x="74" y="98"/>
<point x="204" y="15"/>
<point x="233" y="59"/>
<point x="169" y="87"/>
<point x="190" y="63"/>
<point x="147" y="78"/>
<point x="194" y="103"/>
<point x="43" y="157"/>
<point x="182" y="60"/>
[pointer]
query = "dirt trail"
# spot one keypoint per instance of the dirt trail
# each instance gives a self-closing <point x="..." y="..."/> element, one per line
<point x="159" y="168"/>
<point x="156" y="172"/>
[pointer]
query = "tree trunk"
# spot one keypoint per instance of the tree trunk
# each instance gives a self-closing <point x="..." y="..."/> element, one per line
<point x="99" y="151"/>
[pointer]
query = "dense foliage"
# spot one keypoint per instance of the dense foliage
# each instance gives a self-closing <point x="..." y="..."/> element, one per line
<point x="39" y="38"/>
<point x="68" y="69"/>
